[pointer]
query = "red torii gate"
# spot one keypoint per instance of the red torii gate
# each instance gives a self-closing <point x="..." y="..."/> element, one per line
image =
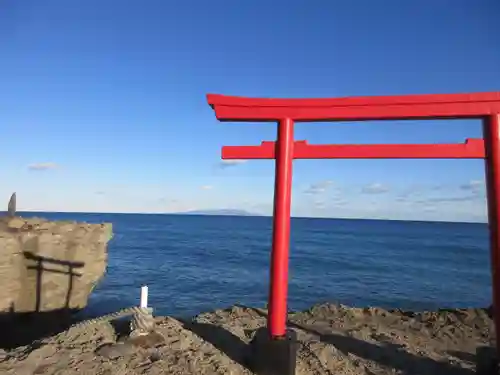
<point x="286" y="112"/>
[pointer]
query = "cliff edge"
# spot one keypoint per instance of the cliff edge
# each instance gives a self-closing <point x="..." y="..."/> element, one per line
<point x="48" y="266"/>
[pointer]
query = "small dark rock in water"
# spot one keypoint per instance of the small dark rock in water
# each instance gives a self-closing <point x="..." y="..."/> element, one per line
<point x="11" y="208"/>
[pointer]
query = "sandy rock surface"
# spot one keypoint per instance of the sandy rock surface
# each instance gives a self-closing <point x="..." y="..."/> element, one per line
<point x="47" y="266"/>
<point x="333" y="339"/>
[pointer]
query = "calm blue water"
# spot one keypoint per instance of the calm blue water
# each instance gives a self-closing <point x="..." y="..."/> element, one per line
<point x="198" y="263"/>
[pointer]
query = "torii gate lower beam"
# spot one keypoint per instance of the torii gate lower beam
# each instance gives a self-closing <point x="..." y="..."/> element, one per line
<point x="485" y="106"/>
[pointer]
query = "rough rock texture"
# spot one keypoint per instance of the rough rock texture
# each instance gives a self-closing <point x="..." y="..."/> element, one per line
<point x="333" y="339"/>
<point x="47" y="266"/>
<point x="11" y="207"/>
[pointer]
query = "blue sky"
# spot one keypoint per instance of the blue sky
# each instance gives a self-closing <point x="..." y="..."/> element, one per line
<point x="103" y="108"/>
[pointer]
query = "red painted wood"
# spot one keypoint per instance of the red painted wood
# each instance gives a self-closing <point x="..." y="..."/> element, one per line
<point x="491" y="130"/>
<point x="471" y="149"/>
<point x="278" y="288"/>
<point x="230" y="108"/>
<point x="241" y="101"/>
<point x="264" y="151"/>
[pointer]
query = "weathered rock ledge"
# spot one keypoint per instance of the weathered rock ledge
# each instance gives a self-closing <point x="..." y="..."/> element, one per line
<point x="333" y="339"/>
<point x="49" y="266"/>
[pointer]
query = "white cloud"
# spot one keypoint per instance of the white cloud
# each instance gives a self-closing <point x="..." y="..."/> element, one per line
<point x="473" y="185"/>
<point x="42" y="166"/>
<point x="385" y="206"/>
<point x="375" y="188"/>
<point x="230" y="163"/>
<point x="320" y="205"/>
<point x="323" y="199"/>
<point x="450" y="199"/>
<point x="319" y="187"/>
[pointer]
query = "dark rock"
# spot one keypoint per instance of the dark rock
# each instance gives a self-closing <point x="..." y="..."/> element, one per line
<point x="114" y="351"/>
<point x="150" y="340"/>
<point x="11" y="208"/>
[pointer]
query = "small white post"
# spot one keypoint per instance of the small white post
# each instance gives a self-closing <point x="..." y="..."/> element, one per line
<point x="144" y="296"/>
<point x="142" y="322"/>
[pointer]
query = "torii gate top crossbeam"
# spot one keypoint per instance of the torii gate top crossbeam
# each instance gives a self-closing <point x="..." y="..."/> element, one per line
<point x="405" y="107"/>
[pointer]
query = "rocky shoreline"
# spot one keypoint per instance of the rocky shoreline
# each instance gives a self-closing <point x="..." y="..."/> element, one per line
<point x="333" y="339"/>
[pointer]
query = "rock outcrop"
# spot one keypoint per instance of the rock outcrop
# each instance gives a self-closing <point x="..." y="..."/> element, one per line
<point x="11" y="208"/>
<point x="48" y="266"/>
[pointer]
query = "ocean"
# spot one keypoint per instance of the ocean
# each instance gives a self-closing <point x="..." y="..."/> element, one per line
<point x="194" y="264"/>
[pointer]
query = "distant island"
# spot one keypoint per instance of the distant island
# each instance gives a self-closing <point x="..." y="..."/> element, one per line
<point x="221" y="212"/>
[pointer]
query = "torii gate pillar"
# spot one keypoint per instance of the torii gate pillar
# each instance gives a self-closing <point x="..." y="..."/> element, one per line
<point x="487" y="364"/>
<point x="281" y="229"/>
<point x="275" y="348"/>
